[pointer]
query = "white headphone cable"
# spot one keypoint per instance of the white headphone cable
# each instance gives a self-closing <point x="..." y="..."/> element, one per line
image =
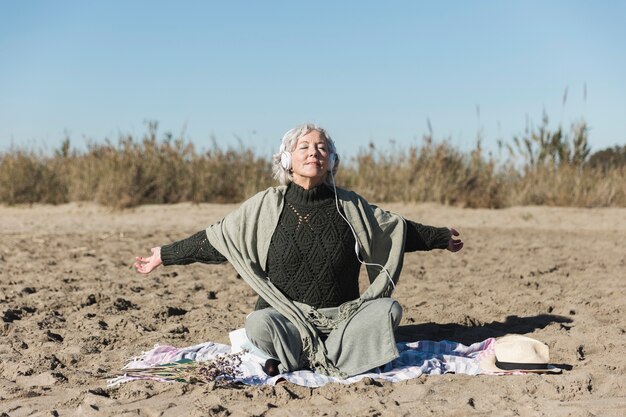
<point x="356" y="239"/>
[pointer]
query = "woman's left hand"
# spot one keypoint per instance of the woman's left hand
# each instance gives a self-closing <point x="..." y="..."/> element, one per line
<point x="454" y="245"/>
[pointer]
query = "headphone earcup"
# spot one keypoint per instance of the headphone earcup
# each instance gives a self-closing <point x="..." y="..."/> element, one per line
<point x="285" y="160"/>
<point x="332" y="159"/>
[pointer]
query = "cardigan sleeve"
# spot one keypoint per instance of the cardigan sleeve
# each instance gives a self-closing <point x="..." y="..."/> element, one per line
<point x="420" y="237"/>
<point x="196" y="248"/>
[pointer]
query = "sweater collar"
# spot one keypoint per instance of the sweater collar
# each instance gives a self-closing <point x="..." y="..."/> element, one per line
<point x="298" y="195"/>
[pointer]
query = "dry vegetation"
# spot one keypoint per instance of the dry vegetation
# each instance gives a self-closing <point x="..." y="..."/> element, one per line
<point x="542" y="167"/>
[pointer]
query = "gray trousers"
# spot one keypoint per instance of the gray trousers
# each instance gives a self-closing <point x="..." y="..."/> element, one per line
<point x="359" y="344"/>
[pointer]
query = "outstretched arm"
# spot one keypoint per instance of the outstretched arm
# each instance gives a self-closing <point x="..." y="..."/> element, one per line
<point x="421" y="237"/>
<point x="196" y="248"/>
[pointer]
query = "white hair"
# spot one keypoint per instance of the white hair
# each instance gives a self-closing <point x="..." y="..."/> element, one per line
<point x="289" y="142"/>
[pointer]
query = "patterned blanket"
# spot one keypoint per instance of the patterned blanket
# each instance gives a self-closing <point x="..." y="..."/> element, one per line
<point x="416" y="359"/>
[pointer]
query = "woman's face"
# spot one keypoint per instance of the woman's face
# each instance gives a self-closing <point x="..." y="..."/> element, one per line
<point x="309" y="160"/>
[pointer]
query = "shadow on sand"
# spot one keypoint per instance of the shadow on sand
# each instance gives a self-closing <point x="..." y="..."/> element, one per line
<point x="476" y="332"/>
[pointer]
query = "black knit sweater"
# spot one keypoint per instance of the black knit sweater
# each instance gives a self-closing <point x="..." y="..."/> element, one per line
<point x="311" y="256"/>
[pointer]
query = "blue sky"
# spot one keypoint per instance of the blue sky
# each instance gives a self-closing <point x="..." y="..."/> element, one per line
<point x="367" y="71"/>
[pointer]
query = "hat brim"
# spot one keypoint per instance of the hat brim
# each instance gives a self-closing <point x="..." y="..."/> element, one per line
<point x="488" y="366"/>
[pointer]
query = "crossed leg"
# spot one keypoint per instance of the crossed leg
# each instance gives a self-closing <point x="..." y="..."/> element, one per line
<point x="357" y="345"/>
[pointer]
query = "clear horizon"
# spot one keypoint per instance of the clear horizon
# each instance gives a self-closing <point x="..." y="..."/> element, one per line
<point x="247" y="72"/>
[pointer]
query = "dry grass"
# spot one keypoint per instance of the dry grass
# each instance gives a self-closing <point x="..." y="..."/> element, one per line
<point x="544" y="167"/>
<point x="132" y="172"/>
<point x="431" y="172"/>
<point x="569" y="186"/>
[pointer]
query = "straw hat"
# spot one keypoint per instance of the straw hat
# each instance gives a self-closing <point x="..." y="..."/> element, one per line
<point x="516" y="353"/>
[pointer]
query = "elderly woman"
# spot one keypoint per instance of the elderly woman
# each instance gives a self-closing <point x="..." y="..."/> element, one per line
<point x="300" y="246"/>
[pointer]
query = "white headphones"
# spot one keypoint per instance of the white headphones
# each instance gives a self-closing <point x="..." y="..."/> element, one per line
<point x="285" y="158"/>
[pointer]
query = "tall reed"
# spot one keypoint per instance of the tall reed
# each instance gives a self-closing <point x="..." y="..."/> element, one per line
<point x="544" y="166"/>
<point x="432" y="172"/>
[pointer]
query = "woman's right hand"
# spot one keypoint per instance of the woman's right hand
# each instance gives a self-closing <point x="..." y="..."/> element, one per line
<point x="146" y="265"/>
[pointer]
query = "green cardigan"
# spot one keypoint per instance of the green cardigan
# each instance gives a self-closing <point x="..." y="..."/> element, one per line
<point x="244" y="236"/>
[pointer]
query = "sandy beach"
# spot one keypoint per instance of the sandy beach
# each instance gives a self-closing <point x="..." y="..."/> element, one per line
<point x="74" y="311"/>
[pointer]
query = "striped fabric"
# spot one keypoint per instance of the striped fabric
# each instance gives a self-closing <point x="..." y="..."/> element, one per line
<point x="416" y="359"/>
